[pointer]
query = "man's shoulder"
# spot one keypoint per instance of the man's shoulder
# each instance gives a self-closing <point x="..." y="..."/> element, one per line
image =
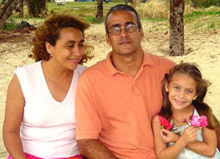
<point x="94" y="70"/>
<point x="161" y="62"/>
<point x="160" y="59"/>
<point x="98" y="66"/>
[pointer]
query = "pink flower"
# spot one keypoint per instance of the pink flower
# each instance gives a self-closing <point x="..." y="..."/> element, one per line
<point x="196" y="121"/>
<point x="203" y="121"/>
<point x="165" y="123"/>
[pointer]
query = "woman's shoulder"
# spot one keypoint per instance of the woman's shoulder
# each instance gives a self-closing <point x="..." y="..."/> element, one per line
<point x="28" y="68"/>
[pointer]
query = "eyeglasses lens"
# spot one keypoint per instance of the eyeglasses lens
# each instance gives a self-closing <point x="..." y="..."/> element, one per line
<point x="128" y="28"/>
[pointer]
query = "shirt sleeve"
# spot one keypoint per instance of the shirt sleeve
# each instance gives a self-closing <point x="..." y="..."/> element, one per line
<point x="88" y="124"/>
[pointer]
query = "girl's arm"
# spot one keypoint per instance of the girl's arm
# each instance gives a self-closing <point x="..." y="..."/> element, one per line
<point x="165" y="152"/>
<point x="13" y="118"/>
<point x="208" y="146"/>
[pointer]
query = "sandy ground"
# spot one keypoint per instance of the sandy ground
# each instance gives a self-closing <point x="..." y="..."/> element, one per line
<point x="202" y="48"/>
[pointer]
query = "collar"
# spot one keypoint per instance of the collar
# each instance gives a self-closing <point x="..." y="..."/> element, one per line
<point x="112" y="70"/>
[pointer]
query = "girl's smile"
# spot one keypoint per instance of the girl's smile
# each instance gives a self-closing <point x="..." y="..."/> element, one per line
<point x="182" y="90"/>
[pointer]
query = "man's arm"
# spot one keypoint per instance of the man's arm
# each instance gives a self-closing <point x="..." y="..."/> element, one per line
<point x="93" y="149"/>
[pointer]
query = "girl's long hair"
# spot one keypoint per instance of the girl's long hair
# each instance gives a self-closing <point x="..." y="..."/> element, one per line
<point x="192" y="71"/>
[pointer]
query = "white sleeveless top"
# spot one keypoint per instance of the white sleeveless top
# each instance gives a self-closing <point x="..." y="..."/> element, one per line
<point x="48" y="126"/>
<point x="187" y="153"/>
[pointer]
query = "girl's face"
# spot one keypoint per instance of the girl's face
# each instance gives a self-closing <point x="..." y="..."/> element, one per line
<point x="182" y="91"/>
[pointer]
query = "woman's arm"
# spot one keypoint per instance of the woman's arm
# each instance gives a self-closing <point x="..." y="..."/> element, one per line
<point x="208" y="146"/>
<point x="13" y="118"/>
<point x="162" y="150"/>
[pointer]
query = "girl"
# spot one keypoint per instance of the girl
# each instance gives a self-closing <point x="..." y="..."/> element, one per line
<point x="183" y="93"/>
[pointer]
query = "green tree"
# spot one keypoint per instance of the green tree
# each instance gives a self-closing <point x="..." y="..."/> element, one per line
<point x="6" y="10"/>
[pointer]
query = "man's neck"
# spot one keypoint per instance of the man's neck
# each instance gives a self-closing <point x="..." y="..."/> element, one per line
<point x="129" y="64"/>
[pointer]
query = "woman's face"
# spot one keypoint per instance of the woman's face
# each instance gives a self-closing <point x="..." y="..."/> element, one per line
<point x="69" y="48"/>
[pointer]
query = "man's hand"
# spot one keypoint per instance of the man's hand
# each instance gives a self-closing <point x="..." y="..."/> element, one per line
<point x="93" y="149"/>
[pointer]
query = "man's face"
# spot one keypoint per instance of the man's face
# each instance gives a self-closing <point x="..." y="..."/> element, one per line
<point x="124" y="43"/>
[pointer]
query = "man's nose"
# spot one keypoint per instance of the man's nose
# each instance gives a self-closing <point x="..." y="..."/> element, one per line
<point x="123" y="31"/>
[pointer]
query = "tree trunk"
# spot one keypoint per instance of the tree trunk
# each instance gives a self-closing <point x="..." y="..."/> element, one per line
<point x="7" y="9"/>
<point x="36" y="7"/>
<point x="136" y="3"/>
<point x="99" y="14"/>
<point x="31" y="8"/>
<point x="176" y="27"/>
<point x="21" y="9"/>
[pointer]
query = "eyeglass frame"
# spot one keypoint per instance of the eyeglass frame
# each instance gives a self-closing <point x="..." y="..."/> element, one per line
<point x="123" y="27"/>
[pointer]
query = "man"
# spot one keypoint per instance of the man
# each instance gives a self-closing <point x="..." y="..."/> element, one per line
<point x="117" y="98"/>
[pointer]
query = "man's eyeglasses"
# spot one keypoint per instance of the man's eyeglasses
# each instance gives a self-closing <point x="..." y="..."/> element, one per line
<point x="116" y="29"/>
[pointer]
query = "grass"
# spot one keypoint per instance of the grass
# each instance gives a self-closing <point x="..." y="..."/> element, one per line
<point x="198" y="14"/>
<point x="11" y="24"/>
<point x="203" y="20"/>
<point x="155" y="19"/>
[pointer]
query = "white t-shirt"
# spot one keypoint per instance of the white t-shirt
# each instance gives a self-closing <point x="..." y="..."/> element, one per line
<point x="48" y="126"/>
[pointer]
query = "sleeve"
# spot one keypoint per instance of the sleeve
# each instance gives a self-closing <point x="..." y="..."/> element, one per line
<point x="88" y="123"/>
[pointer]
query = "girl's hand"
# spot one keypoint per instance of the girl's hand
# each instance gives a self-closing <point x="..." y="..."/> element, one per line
<point x="168" y="136"/>
<point x="190" y="134"/>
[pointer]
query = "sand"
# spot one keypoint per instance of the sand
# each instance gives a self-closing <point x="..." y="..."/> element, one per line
<point x="202" y="47"/>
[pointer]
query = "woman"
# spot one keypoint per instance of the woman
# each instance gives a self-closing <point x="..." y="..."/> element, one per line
<point x="39" y="118"/>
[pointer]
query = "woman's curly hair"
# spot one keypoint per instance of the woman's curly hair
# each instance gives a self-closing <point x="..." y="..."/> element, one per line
<point x="49" y="32"/>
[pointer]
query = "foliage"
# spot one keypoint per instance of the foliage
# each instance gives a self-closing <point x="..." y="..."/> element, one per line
<point x="87" y="11"/>
<point x="10" y="24"/>
<point x="208" y="3"/>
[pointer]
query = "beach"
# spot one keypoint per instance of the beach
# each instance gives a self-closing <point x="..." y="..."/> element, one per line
<point x="201" y="47"/>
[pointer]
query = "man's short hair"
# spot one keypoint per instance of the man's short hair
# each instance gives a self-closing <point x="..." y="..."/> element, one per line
<point x="121" y="7"/>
